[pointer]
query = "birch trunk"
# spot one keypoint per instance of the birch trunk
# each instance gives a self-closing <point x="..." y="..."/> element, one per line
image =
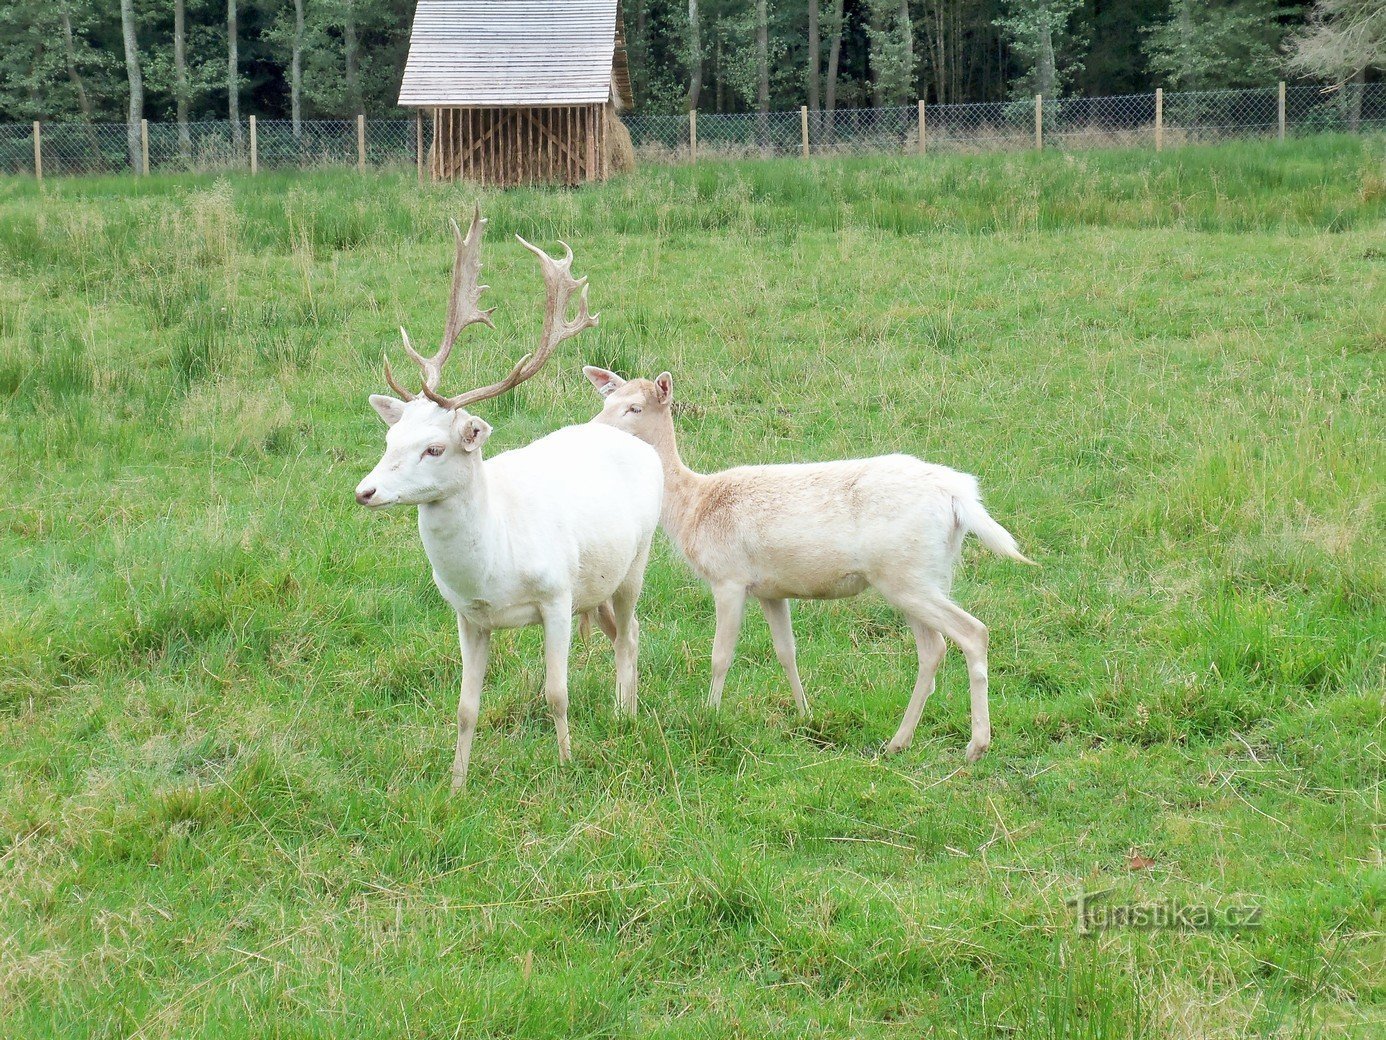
<point x="695" y="56"/>
<point x="296" y="73"/>
<point x="180" y="77"/>
<point x="233" y="76"/>
<point x="132" y="73"/>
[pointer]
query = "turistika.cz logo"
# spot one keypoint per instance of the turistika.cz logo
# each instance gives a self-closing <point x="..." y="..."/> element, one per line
<point x="1092" y="914"/>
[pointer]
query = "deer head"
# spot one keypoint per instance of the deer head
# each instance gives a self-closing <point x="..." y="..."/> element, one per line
<point x="639" y="406"/>
<point x="432" y="447"/>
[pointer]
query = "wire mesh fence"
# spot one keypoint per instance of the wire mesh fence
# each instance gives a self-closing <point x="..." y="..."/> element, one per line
<point x="1133" y="120"/>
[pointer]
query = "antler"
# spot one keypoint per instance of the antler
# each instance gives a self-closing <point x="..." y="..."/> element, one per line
<point x="560" y="285"/>
<point x="463" y="309"/>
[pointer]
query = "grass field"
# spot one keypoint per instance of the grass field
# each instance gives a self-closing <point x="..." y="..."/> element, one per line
<point x="227" y="693"/>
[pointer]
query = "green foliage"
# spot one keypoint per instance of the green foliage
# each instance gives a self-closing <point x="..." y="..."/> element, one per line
<point x="1217" y="44"/>
<point x="1043" y="35"/>
<point x="227" y="694"/>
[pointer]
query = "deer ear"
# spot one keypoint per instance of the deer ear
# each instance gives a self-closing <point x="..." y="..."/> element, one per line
<point x="606" y="382"/>
<point x="472" y="432"/>
<point x="390" y="409"/>
<point x="664" y="383"/>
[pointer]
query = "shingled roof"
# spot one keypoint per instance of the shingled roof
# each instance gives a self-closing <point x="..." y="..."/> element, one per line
<point x="491" y="53"/>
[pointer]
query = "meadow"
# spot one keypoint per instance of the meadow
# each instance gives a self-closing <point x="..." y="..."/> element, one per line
<point x="227" y="693"/>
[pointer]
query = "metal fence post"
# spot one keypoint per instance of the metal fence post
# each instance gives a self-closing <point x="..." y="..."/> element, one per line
<point x="144" y="147"/>
<point x="922" y="143"/>
<point x="38" y="151"/>
<point x="254" y="149"/>
<point x="1039" y="122"/>
<point x="803" y="129"/>
<point x="1159" y="119"/>
<point x="692" y="135"/>
<point x="1281" y="113"/>
<point x="361" y="142"/>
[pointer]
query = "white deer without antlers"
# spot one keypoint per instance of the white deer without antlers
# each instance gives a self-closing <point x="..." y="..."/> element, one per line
<point x="821" y="531"/>
<point x="562" y="525"/>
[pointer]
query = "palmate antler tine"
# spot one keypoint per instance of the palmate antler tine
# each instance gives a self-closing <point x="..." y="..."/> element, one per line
<point x="465" y="297"/>
<point x="559" y="286"/>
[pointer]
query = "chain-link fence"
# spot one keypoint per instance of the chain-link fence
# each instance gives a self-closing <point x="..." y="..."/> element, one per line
<point x="1157" y="119"/>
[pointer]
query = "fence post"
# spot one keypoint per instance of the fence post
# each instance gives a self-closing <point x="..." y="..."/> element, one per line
<point x="1159" y="119"/>
<point x="38" y="151"/>
<point x="1039" y="122"/>
<point x="144" y="147"/>
<point x="922" y="143"/>
<point x="692" y="135"/>
<point x="1281" y="113"/>
<point x="361" y="142"/>
<point x="803" y="129"/>
<point x="254" y="149"/>
<point x="418" y="143"/>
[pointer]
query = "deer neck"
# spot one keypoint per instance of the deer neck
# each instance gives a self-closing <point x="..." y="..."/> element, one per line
<point x="680" y="483"/>
<point x="464" y="537"/>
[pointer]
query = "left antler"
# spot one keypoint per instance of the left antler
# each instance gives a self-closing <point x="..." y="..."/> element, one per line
<point x="463" y="307"/>
<point x="560" y="285"/>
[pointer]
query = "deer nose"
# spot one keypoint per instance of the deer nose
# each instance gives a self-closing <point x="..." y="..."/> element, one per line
<point x="364" y="495"/>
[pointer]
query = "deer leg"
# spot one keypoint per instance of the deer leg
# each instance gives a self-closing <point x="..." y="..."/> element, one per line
<point x="932" y="609"/>
<point x="476" y="645"/>
<point x="730" y="601"/>
<point x="625" y="634"/>
<point x="558" y="638"/>
<point x="776" y="613"/>
<point x="930" y="647"/>
<point x="605" y="619"/>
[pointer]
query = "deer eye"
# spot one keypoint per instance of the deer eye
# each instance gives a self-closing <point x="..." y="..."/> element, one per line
<point x="633" y="410"/>
<point x="434" y="450"/>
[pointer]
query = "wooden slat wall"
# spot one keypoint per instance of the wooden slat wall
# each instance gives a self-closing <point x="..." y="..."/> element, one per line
<point x="504" y="147"/>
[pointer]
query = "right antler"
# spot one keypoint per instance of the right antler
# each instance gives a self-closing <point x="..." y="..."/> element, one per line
<point x="463" y="309"/>
<point x="560" y="285"/>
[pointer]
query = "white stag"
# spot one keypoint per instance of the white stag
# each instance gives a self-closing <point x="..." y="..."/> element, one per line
<point x="821" y="531"/>
<point x="559" y="526"/>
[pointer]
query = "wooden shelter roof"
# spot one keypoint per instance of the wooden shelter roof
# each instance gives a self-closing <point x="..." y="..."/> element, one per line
<point x="490" y="53"/>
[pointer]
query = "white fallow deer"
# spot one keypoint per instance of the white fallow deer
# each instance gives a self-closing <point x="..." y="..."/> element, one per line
<point x="534" y="535"/>
<point x="823" y="530"/>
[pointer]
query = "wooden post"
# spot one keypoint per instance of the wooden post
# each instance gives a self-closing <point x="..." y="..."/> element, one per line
<point x="38" y="151"/>
<point x="144" y="147"/>
<point x="1282" y="110"/>
<point x="1039" y="121"/>
<point x="1159" y="119"/>
<point x="254" y="149"/>
<point x="803" y="129"/>
<point x="418" y="143"/>
<point x="361" y="142"/>
<point x="922" y="143"/>
<point x="692" y="135"/>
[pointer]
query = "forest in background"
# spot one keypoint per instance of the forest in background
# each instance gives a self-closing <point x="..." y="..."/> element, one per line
<point x="190" y="60"/>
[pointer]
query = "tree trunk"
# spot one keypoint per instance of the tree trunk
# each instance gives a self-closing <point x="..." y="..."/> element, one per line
<point x="1356" y="88"/>
<point x="834" y="55"/>
<point x="233" y="77"/>
<point x="296" y="73"/>
<point x="78" y="84"/>
<point x="1045" y="74"/>
<point x="132" y="73"/>
<point x="353" y="59"/>
<point x="695" y="56"/>
<point x="907" y="48"/>
<point x="763" y="71"/>
<point x="180" y="77"/>
<point x="813" y="55"/>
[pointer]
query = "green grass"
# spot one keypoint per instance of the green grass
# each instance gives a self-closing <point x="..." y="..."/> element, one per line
<point x="227" y="693"/>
